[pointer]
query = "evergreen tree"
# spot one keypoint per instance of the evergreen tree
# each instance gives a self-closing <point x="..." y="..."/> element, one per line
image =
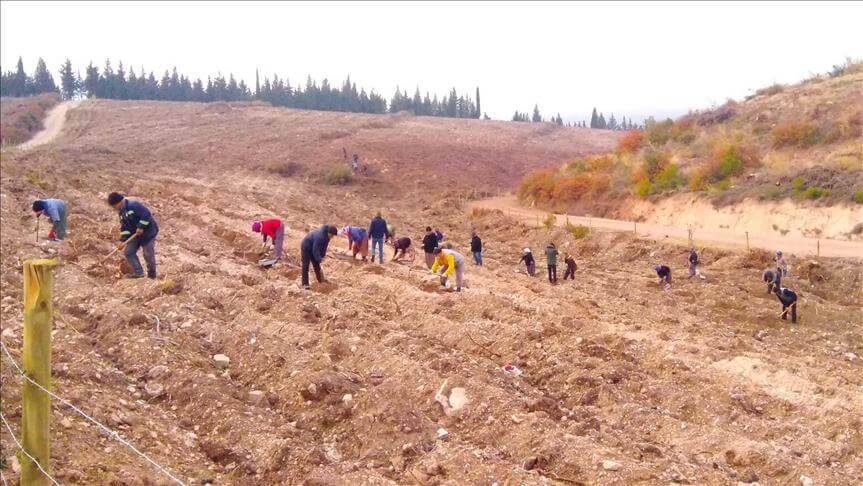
<point x="601" y="123"/>
<point x="536" y="116"/>
<point x="478" y="106"/>
<point x="68" y="83"/>
<point x="43" y="82"/>
<point x="594" y="119"/>
<point x="612" y="123"/>
<point x="92" y="81"/>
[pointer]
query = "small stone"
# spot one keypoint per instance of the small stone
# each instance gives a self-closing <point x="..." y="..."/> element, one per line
<point x="157" y="371"/>
<point x="750" y="477"/>
<point x="851" y="357"/>
<point x="806" y="481"/>
<point x="66" y="423"/>
<point x="530" y="463"/>
<point x="458" y="399"/>
<point x="347" y="398"/>
<point x="256" y="397"/>
<point x="221" y="361"/>
<point x="611" y="465"/>
<point x="442" y="433"/>
<point x="154" y="390"/>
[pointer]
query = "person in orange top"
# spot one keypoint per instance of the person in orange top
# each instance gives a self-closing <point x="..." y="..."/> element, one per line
<point x="272" y="228"/>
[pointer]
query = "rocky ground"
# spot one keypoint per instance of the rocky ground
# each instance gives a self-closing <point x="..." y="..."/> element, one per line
<point x="381" y="376"/>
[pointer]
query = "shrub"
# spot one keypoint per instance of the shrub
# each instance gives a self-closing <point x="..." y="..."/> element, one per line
<point x="771" y="90"/>
<point x="813" y="192"/>
<point x="654" y="162"/>
<point x="658" y="133"/>
<point x="668" y="179"/>
<point x="338" y="174"/>
<point x="578" y="231"/>
<point x="858" y="197"/>
<point x="797" y="133"/>
<point x="549" y="221"/>
<point x="643" y="187"/>
<point x="631" y="141"/>
<point x="772" y="192"/>
<point x="797" y="184"/>
<point x="284" y="169"/>
<point x="537" y="185"/>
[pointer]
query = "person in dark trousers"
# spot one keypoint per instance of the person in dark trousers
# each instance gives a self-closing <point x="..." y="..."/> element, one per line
<point x="664" y="273"/>
<point x="773" y="278"/>
<point x="529" y="262"/>
<point x="313" y="249"/>
<point x="138" y="229"/>
<point x="430" y="242"/>
<point x="274" y="229"/>
<point x="571" y="267"/>
<point x="781" y="263"/>
<point x="401" y="245"/>
<point x="476" y="248"/>
<point x="377" y="232"/>
<point x="439" y="234"/>
<point x="55" y="210"/>
<point x="693" y="263"/>
<point x="551" y="260"/>
<point x="788" y="299"/>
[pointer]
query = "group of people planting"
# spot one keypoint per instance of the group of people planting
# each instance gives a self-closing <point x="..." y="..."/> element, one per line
<point x="138" y="231"/>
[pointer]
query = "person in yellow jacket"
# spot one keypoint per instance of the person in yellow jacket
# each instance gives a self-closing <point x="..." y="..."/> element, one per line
<point x="446" y="263"/>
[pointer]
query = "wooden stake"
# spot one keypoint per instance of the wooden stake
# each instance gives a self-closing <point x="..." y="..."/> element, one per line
<point x="36" y="357"/>
<point x="747" y="241"/>
<point x="818" y="248"/>
<point x="37" y="230"/>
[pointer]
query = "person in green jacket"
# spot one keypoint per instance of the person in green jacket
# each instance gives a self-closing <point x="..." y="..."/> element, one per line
<point x="551" y="260"/>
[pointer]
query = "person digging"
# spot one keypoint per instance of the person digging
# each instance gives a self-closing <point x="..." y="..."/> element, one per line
<point x="448" y="262"/>
<point x="271" y="229"/>
<point x="664" y="274"/>
<point x="400" y="247"/>
<point x="788" y="299"/>
<point x="313" y="249"/>
<point x="138" y="230"/>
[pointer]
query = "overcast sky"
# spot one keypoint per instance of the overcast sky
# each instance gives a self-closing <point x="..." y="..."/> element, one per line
<point x="628" y="58"/>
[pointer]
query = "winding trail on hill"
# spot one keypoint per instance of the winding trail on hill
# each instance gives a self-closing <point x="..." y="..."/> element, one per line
<point x="719" y="238"/>
<point x="53" y="125"/>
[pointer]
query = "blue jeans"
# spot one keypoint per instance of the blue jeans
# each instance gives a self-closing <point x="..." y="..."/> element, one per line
<point x="131" y="252"/>
<point x="379" y="244"/>
<point x="477" y="257"/>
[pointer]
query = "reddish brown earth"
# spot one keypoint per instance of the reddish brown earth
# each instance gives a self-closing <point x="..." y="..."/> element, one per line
<point x="701" y="384"/>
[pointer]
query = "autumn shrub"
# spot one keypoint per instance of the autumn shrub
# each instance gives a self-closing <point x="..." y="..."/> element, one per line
<point x="549" y="221"/>
<point x="537" y="185"/>
<point x="658" y="132"/>
<point x="795" y="133"/>
<point x="771" y="90"/>
<point x="284" y="169"/>
<point x="631" y="141"/>
<point x="654" y="162"/>
<point x="578" y="231"/>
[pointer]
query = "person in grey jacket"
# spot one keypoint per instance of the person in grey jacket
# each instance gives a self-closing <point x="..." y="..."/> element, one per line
<point x="55" y="210"/>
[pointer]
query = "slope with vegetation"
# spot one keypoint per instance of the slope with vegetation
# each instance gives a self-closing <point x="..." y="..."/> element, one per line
<point x="21" y="118"/>
<point x="801" y="142"/>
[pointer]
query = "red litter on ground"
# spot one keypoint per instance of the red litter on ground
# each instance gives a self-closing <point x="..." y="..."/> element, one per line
<point x="511" y="368"/>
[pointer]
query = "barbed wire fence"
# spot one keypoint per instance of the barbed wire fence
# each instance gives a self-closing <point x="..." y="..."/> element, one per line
<point x="108" y="431"/>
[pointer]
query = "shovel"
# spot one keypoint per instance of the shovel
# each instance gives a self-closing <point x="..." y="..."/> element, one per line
<point x="37" y="230"/>
<point x="115" y="250"/>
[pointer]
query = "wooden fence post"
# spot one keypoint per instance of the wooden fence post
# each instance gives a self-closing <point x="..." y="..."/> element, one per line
<point x="747" y="241"/>
<point x="818" y="249"/>
<point x="36" y="357"/>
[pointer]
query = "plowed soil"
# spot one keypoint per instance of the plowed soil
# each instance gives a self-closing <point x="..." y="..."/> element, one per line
<point x="621" y="382"/>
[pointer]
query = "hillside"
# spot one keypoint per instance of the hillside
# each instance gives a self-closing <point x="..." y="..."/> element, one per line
<point x="803" y="143"/>
<point x="20" y="118"/>
<point x="622" y="382"/>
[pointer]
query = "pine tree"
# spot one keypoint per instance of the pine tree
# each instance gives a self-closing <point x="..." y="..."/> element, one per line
<point x="257" y="84"/>
<point x="612" y="123"/>
<point x="68" y="83"/>
<point x="43" y="82"/>
<point x="478" y="106"/>
<point x="601" y="122"/>
<point x="594" y="119"/>
<point x="92" y="81"/>
<point x="536" y="116"/>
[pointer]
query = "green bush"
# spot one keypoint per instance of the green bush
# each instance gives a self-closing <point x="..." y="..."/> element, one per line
<point x="549" y="221"/>
<point x="668" y="179"/>
<point x="858" y="197"/>
<point x="797" y="184"/>
<point x="730" y="164"/>
<point x="813" y="192"/>
<point x="578" y="231"/>
<point x="772" y="193"/>
<point x="643" y="188"/>
<point x="338" y="174"/>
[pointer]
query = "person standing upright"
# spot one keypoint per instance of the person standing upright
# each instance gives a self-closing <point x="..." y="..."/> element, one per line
<point x="476" y="248"/>
<point x="377" y="232"/>
<point x="551" y="260"/>
<point x="430" y="242"/>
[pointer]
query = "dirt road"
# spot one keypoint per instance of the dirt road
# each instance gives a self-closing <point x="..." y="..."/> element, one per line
<point x="720" y="238"/>
<point x="53" y="125"/>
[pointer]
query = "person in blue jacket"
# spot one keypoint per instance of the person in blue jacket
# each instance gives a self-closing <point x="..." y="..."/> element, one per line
<point x="138" y="229"/>
<point x="313" y="249"/>
<point x="55" y="210"/>
<point x="377" y="232"/>
<point x="788" y="299"/>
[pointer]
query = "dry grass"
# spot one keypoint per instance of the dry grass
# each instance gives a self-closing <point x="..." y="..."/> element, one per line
<point x="21" y="118"/>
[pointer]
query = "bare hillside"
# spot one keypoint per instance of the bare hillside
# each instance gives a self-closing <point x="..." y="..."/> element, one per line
<point x="621" y="381"/>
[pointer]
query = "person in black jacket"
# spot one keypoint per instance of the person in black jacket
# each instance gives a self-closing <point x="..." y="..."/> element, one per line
<point x="529" y="262"/>
<point x="377" y="232"/>
<point x="788" y="299"/>
<point x="570" y="267"/>
<point x="773" y="278"/>
<point x="138" y="229"/>
<point x="693" y="263"/>
<point x="313" y="249"/>
<point x="476" y="248"/>
<point x="430" y="242"/>
<point x="664" y="273"/>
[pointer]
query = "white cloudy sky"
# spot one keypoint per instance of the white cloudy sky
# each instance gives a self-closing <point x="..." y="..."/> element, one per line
<point x="630" y="58"/>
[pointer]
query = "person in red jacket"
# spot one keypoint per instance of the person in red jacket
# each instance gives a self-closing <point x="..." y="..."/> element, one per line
<point x="272" y="228"/>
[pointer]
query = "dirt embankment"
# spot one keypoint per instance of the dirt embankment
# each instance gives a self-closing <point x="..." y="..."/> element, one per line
<point x="621" y="382"/>
<point x="21" y="118"/>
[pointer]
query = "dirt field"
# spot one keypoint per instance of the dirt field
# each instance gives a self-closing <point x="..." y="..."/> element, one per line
<point x="622" y="382"/>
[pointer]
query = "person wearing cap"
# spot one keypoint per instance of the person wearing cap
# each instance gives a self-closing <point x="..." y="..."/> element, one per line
<point x="55" y="210"/>
<point x="781" y="263"/>
<point x="551" y="261"/>
<point x="377" y="232"/>
<point x="773" y="277"/>
<point x="400" y="245"/>
<point x="358" y="241"/>
<point x="529" y="262"/>
<point x="138" y="230"/>
<point x="664" y="273"/>
<point x="570" y="267"/>
<point x="788" y="299"/>
<point x="430" y="242"/>
<point x="313" y="249"/>
<point x="448" y="262"/>
<point x="272" y="229"/>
